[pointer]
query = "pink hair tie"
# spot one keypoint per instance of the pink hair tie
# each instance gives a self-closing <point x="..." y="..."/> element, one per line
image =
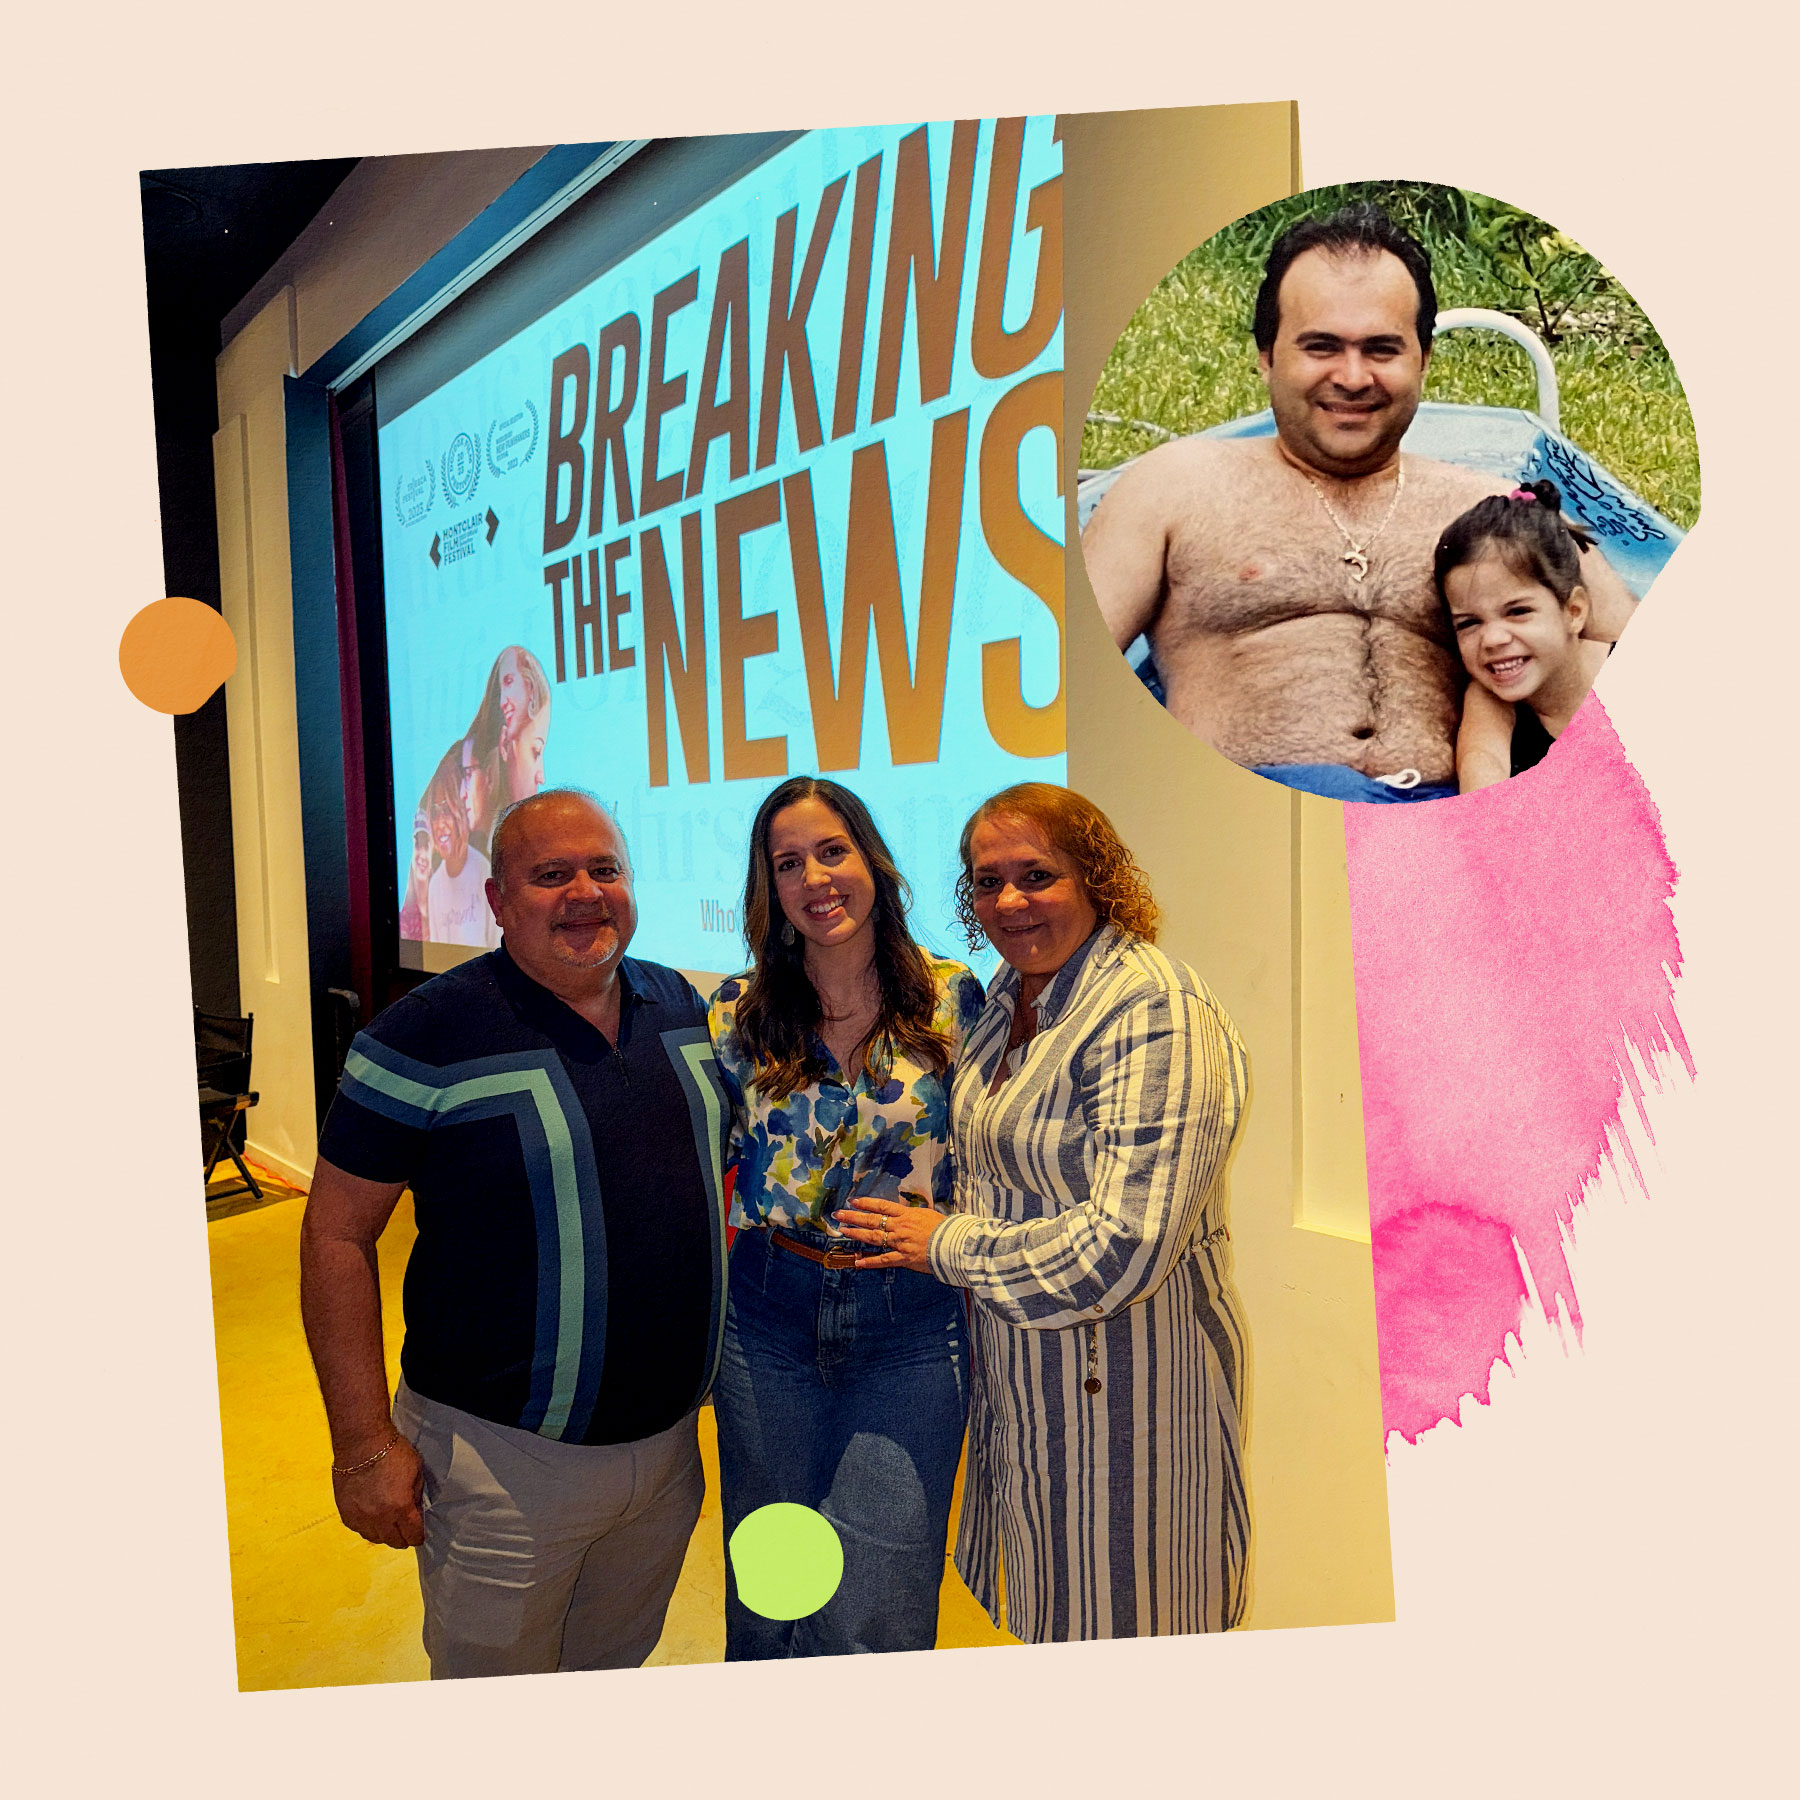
<point x="1521" y="494"/>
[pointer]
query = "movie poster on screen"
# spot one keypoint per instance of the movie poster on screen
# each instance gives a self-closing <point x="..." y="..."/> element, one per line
<point x="778" y="493"/>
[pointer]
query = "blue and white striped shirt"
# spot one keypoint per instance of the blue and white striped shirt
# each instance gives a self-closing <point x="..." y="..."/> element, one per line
<point x="1090" y="1231"/>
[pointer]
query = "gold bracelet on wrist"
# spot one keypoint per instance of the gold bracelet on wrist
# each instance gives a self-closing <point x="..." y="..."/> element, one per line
<point x="368" y="1462"/>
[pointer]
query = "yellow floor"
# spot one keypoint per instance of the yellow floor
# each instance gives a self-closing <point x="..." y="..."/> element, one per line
<point x="315" y="1605"/>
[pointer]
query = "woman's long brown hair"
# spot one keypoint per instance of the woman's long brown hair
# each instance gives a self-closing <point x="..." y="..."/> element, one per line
<point x="779" y="1012"/>
<point x="485" y="729"/>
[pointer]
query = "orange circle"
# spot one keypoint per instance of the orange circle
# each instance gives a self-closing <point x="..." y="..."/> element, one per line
<point x="175" y="653"/>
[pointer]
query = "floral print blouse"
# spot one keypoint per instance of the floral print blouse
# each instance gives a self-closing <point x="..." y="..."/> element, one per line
<point x="799" y="1160"/>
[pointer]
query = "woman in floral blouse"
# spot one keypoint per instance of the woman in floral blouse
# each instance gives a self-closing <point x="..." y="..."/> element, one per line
<point x="841" y="1389"/>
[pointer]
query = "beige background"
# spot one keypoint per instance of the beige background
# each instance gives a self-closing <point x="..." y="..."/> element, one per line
<point x="1591" y="1575"/>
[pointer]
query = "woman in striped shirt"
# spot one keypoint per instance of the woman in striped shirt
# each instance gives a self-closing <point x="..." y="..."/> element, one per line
<point x="1092" y="1115"/>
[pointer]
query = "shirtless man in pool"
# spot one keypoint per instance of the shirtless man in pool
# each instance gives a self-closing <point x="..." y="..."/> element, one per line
<point x="1285" y="582"/>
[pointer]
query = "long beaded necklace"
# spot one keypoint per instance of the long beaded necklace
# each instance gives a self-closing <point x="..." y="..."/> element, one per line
<point x="1357" y="556"/>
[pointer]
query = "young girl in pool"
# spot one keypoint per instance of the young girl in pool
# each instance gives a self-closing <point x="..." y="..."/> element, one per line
<point x="1509" y="573"/>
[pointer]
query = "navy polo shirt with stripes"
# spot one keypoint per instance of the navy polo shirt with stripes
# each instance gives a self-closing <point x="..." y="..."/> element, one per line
<point x="568" y="1277"/>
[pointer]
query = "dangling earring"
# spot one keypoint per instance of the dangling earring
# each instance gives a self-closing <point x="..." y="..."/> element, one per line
<point x="787" y="932"/>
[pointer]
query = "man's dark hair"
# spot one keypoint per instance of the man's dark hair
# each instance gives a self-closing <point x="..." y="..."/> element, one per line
<point x="1360" y="228"/>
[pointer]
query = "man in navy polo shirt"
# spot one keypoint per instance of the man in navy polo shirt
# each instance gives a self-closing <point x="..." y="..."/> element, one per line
<point x="555" y="1109"/>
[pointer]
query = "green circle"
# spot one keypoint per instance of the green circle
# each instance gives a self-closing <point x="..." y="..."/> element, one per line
<point x="787" y="1559"/>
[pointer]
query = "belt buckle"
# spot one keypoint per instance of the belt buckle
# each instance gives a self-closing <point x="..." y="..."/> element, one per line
<point x="839" y="1259"/>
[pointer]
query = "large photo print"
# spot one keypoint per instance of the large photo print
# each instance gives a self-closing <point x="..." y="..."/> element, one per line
<point x="792" y="1145"/>
<point x="1374" y="481"/>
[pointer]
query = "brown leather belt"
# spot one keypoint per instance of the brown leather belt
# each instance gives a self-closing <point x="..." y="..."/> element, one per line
<point x="831" y="1259"/>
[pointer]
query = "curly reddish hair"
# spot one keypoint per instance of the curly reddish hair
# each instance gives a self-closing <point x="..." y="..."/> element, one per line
<point x="1117" y="887"/>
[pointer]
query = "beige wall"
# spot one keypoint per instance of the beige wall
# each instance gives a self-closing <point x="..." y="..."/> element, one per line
<point x="1252" y="883"/>
<point x="384" y="221"/>
<point x="250" y="483"/>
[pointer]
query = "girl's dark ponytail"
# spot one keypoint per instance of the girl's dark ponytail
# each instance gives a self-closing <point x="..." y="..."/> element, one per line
<point x="1549" y="497"/>
<point x="1525" y="526"/>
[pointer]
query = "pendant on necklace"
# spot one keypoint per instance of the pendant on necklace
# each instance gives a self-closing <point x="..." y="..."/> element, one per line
<point x="1359" y="564"/>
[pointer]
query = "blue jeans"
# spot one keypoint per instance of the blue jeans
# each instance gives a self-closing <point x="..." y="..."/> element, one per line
<point x="845" y="1390"/>
<point x="1337" y="783"/>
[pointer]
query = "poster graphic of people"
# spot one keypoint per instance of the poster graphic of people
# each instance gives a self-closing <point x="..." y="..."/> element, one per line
<point x="498" y="760"/>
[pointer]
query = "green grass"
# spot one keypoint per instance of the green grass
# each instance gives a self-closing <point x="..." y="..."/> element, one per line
<point x="1186" y="360"/>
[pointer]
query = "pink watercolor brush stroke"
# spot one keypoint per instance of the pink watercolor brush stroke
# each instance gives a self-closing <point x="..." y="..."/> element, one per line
<point x="1514" y="949"/>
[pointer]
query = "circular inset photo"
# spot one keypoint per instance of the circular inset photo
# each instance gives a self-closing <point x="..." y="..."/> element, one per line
<point x="1374" y="480"/>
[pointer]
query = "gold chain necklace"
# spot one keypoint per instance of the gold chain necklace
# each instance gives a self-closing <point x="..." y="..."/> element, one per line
<point x="1357" y="556"/>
